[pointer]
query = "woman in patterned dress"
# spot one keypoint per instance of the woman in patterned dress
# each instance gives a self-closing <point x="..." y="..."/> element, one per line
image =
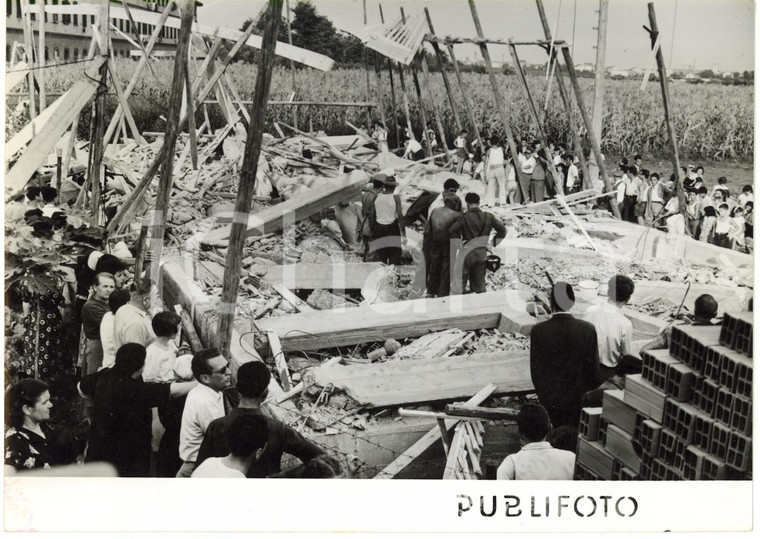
<point x="44" y="354"/>
<point x="26" y="441"/>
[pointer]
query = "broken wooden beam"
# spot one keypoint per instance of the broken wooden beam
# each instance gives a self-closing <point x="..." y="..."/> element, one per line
<point x="291" y="211"/>
<point x="426" y="380"/>
<point x="396" y="320"/>
<point x="419" y="447"/>
<point x="479" y="412"/>
<point x="308" y="276"/>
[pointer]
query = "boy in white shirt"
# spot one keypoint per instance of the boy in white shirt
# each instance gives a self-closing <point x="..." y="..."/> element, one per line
<point x="161" y="354"/>
<point x="537" y="459"/>
<point x="573" y="178"/>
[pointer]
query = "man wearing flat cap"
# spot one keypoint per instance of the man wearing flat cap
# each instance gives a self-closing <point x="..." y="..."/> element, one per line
<point x="387" y="222"/>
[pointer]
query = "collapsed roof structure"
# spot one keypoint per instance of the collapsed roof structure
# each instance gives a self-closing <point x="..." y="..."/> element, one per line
<point x="359" y="354"/>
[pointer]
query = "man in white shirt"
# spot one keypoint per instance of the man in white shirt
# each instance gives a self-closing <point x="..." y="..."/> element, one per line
<point x="614" y="331"/>
<point x="132" y="322"/>
<point x="573" y="178"/>
<point x="537" y="460"/>
<point x="204" y="403"/>
<point x="247" y="438"/>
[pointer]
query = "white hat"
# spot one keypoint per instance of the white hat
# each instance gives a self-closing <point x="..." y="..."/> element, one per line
<point x="92" y="260"/>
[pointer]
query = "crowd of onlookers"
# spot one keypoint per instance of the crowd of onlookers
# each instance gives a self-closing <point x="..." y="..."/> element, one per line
<point x="642" y="195"/>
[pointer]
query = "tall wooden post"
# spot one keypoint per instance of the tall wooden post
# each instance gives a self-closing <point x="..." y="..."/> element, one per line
<point x="41" y="53"/>
<point x="98" y="147"/>
<point x="465" y="97"/>
<point x="292" y="64"/>
<point x="379" y="88"/>
<point x="423" y="114"/>
<point x="436" y="115"/>
<point x="559" y="187"/>
<point x="179" y="82"/>
<point x="442" y="67"/>
<point x="393" y="91"/>
<point x="573" y="128"/>
<point x="499" y="100"/>
<point x="653" y="33"/>
<point x="366" y="69"/>
<point x="29" y="52"/>
<point x="587" y="122"/>
<point x="601" y="53"/>
<point x="247" y="179"/>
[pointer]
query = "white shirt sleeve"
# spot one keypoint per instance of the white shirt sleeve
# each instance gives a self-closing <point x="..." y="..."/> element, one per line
<point x="506" y="469"/>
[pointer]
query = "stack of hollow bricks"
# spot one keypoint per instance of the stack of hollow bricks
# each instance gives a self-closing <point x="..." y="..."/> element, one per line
<point x="688" y="415"/>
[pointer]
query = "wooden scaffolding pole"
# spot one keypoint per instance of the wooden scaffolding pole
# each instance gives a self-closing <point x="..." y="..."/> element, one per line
<point x="465" y="97"/>
<point x="601" y="54"/>
<point x="247" y="179"/>
<point x="393" y="92"/>
<point x="436" y="115"/>
<point x="499" y="100"/>
<point x="442" y="67"/>
<point x="158" y="219"/>
<point x="653" y="33"/>
<point x="379" y="89"/>
<point x="587" y="122"/>
<point x="423" y="114"/>
<point x="29" y="52"/>
<point x="41" y="53"/>
<point x="572" y="127"/>
<point x="292" y="64"/>
<point x="559" y="188"/>
<point x="366" y="70"/>
<point x="98" y="143"/>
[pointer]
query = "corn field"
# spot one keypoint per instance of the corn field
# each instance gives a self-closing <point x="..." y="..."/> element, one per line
<point x="711" y="121"/>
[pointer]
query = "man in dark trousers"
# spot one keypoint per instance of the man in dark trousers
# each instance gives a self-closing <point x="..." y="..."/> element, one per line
<point x="252" y="384"/>
<point x="437" y="245"/>
<point x="563" y="358"/>
<point x="474" y="229"/>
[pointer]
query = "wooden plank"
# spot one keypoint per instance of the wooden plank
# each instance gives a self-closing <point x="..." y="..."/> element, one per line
<point x="302" y="56"/>
<point x="472" y="449"/>
<point x="424" y="380"/>
<point x="279" y="361"/>
<point x="51" y="131"/>
<point x="291" y="298"/>
<point x="15" y="76"/>
<point x="401" y="319"/>
<point x="291" y="211"/>
<point x="125" y="106"/>
<point x="445" y="438"/>
<point x="480" y="412"/>
<point x="419" y="447"/>
<point x="331" y="276"/>
<point x="455" y="452"/>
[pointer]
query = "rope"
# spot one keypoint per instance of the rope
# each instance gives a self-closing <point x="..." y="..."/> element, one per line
<point x="673" y="37"/>
<point x="49" y="66"/>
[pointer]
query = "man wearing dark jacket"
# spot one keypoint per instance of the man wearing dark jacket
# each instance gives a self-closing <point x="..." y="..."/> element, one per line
<point x="437" y="245"/>
<point x="563" y="358"/>
<point x="252" y="383"/>
<point x="474" y="229"/>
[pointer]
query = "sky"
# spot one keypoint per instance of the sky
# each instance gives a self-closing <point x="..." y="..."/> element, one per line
<point x="708" y="34"/>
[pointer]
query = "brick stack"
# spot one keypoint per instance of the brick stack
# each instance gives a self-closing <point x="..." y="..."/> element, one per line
<point x="688" y="415"/>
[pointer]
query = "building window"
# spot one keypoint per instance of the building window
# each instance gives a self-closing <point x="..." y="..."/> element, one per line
<point x="76" y="20"/>
<point x="18" y="9"/>
<point x="76" y="54"/>
<point x="34" y="16"/>
<point x="66" y="53"/>
<point x="56" y="55"/>
<point x="9" y="9"/>
<point x="47" y="54"/>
